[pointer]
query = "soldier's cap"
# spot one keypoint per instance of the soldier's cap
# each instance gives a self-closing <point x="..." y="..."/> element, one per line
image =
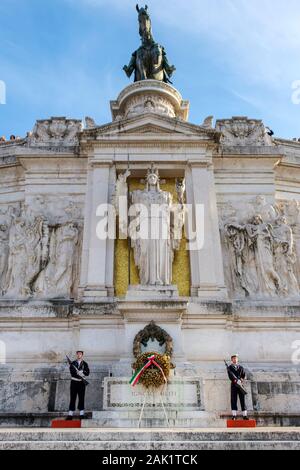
<point x="234" y="355"/>
<point x="79" y="352"/>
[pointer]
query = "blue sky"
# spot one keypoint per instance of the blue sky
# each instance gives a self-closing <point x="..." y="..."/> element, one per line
<point x="233" y="57"/>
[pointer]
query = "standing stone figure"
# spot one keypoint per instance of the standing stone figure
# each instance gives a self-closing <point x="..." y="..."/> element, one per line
<point x="242" y="252"/>
<point x="26" y="248"/>
<point x="284" y="256"/>
<point x="259" y="233"/>
<point x="37" y="250"/>
<point x="4" y="252"/>
<point x="120" y="202"/>
<point x="17" y="260"/>
<point x="264" y="209"/>
<point x="155" y="231"/>
<point x="57" y="278"/>
<point x="293" y="214"/>
<point x="150" y="60"/>
<point x="67" y="238"/>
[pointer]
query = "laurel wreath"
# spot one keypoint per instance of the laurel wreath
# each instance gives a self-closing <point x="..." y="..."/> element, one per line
<point x="153" y="377"/>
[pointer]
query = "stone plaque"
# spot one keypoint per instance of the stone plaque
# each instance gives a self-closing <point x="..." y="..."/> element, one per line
<point x="182" y="393"/>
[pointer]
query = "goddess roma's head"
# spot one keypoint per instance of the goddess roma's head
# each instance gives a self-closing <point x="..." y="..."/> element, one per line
<point x="152" y="176"/>
<point x="152" y="179"/>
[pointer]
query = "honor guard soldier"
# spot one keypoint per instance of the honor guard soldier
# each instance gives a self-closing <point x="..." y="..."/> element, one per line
<point x="236" y="374"/>
<point x="79" y="369"/>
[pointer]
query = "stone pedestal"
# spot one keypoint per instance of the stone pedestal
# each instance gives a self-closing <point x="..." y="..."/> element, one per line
<point x="179" y="404"/>
<point x="152" y="293"/>
<point x="149" y="96"/>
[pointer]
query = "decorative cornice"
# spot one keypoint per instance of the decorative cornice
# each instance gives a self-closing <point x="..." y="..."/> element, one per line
<point x="149" y="96"/>
<point x="129" y="128"/>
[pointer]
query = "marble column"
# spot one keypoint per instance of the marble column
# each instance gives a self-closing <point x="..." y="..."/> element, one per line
<point x="207" y="275"/>
<point x="97" y="256"/>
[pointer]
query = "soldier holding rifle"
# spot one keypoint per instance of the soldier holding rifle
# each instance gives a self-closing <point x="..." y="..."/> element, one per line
<point x="236" y="374"/>
<point x="79" y="369"/>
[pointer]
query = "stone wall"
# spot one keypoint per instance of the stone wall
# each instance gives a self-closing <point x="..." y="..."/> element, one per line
<point x="57" y="279"/>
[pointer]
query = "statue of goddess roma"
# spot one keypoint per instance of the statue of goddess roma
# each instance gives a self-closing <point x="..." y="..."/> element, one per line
<point x="155" y="230"/>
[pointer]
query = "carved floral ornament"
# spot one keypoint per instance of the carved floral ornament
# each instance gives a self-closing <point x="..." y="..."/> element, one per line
<point x="241" y="131"/>
<point x="56" y="131"/>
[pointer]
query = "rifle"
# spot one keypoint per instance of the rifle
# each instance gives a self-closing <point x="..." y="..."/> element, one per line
<point x="77" y="370"/>
<point x="235" y="380"/>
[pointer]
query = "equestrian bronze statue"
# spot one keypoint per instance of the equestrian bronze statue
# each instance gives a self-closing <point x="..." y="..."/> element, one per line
<point x="150" y="61"/>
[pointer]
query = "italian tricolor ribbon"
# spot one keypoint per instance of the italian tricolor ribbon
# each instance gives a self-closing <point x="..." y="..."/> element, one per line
<point x="137" y="375"/>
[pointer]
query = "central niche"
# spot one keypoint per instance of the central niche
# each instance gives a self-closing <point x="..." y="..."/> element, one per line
<point x="126" y="272"/>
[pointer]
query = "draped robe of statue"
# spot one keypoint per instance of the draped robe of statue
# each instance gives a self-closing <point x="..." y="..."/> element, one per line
<point x="57" y="278"/>
<point x="284" y="256"/>
<point x="153" y="253"/>
<point x="25" y="255"/>
<point x="244" y="261"/>
<point x="259" y="233"/>
<point x="155" y="227"/>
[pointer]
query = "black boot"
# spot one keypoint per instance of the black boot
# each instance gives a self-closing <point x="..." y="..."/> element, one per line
<point x="69" y="418"/>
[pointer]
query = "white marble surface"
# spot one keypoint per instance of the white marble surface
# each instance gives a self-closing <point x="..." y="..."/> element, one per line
<point x="182" y="393"/>
<point x="57" y="277"/>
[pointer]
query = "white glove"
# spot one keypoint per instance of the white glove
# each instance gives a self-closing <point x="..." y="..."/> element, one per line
<point x="80" y="373"/>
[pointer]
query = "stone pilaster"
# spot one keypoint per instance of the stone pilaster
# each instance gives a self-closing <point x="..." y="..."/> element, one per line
<point x="207" y="273"/>
<point x="97" y="255"/>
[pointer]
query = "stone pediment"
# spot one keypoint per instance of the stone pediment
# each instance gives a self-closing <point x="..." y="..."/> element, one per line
<point x="151" y="125"/>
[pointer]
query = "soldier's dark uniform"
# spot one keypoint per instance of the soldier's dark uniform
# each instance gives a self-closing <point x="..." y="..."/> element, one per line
<point x="239" y="373"/>
<point x="77" y="385"/>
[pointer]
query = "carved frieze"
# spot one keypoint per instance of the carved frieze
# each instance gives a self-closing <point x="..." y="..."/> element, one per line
<point x="39" y="255"/>
<point x="260" y="251"/>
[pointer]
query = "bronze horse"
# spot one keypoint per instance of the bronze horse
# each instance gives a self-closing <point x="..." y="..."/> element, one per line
<point x="150" y="60"/>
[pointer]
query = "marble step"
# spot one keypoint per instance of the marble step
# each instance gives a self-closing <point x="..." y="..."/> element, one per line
<point x="153" y="418"/>
<point x="145" y="423"/>
<point x="142" y="439"/>
<point x="42" y="419"/>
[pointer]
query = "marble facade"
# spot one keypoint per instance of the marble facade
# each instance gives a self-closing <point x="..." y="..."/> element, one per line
<point x="58" y="278"/>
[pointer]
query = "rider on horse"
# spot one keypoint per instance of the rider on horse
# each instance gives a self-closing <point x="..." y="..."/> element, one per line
<point x="150" y="60"/>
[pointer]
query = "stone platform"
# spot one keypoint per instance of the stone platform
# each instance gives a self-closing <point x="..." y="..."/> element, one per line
<point x="153" y="419"/>
<point x="33" y="420"/>
<point x="157" y="419"/>
<point x="155" y="439"/>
